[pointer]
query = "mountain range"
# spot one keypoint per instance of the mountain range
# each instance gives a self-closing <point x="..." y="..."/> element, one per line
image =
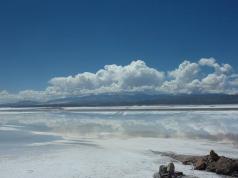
<point x="131" y="99"/>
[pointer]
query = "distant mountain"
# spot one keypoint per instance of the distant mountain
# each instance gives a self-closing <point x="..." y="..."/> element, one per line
<point x="131" y="99"/>
<point x="25" y="103"/>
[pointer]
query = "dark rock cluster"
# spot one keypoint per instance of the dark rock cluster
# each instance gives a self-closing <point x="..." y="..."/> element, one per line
<point x="214" y="163"/>
<point x="168" y="172"/>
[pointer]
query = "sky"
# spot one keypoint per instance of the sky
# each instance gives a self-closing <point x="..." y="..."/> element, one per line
<point x="43" y="40"/>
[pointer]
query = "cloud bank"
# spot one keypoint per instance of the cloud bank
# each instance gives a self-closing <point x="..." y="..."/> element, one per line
<point x="203" y="76"/>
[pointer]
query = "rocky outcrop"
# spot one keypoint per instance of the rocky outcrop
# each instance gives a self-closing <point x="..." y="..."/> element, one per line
<point x="218" y="164"/>
<point x="169" y="172"/>
<point x="227" y="166"/>
<point x="212" y="163"/>
<point x="200" y="164"/>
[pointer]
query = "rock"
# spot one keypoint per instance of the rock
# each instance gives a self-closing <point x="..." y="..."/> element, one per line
<point x="171" y="169"/>
<point x="200" y="164"/>
<point x="213" y="156"/>
<point x="234" y="174"/>
<point x="167" y="172"/>
<point x="226" y="166"/>
<point x="178" y="173"/>
<point x="211" y="166"/>
<point x="163" y="170"/>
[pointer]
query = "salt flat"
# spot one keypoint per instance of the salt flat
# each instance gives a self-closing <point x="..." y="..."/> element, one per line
<point x="66" y="143"/>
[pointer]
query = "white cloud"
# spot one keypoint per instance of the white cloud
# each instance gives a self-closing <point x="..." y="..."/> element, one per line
<point x="182" y="78"/>
<point x="207" y="62"/>
<point x="189" y="77"/>
<point x="219" y="69"/>
<point x="133" y="77"/>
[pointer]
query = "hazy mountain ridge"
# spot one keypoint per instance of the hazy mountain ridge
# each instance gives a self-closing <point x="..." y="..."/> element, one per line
<point x="131" y="99"/>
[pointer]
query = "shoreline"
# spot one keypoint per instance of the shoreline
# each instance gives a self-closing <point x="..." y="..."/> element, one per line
<point x="124" y="108"/>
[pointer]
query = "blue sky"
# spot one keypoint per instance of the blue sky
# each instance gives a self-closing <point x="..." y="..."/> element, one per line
<point x="40" y="40"/>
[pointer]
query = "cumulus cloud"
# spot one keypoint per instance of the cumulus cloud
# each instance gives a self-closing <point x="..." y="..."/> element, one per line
<point x="188" y="77"/>
<point x="219" y="69"/>
<point x="185" y="75"/>
<point x="136" y="76"/>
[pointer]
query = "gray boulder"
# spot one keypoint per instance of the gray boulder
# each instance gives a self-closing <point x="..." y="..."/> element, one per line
<point x="167" y="172"/>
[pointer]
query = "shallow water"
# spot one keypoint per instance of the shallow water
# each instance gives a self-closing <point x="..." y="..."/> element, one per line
<point x="71" y="143"/>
